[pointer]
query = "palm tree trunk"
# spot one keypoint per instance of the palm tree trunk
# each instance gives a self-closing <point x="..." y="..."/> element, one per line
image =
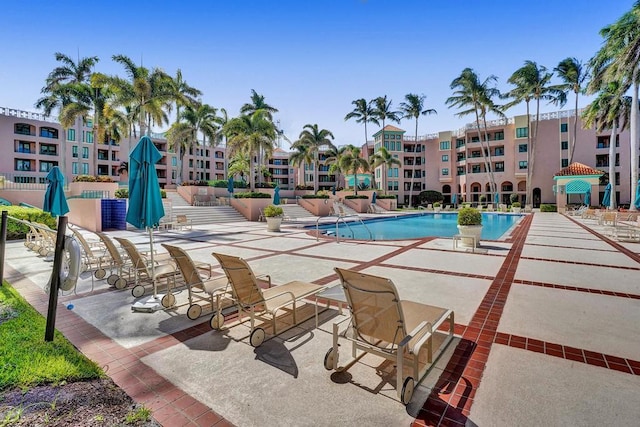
<point x="494" y="185"/>
<point x="634" y="133"/>
<point x="487" y="169"/>
<point x="532" y="157"/>
<point x="413" y="171"/>
<point x="251" y="184"/>
<point x="575" y="132"/>
<point x="612" y="165"/>
<point x="529" y="194"/>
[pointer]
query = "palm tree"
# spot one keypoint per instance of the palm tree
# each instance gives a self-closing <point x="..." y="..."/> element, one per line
<point x="123" y="168"/>
<point x="333" y="156"/>
<point x="382" y="110"/>
<point x="183" y="135"/>
<point x="573" y="75"/>
<point x="383" y="158"/>
<point x="477" y="98"/>
<point x="315" y="139"/>
<point x="258" y="104"/>
<point x="532" y="84"/>
<point x="147" y="93"/>
<point x="251" y="134"/>
<point x="300" y="158"/>
<point x="353" y="162"/>
<point x="618" y="61"/>
<point x="183" y="94"/>
<point x="362" y="113"/>
<point x="239" y="165"/>
<point x="413" y="108"/>
<point x="610" y="110"/>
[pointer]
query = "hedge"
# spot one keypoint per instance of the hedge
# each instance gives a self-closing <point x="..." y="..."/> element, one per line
<point x="548" y="208"/>
<point x="315" y="196"/>
<point x="252" y="195"/>
<point x="16" y="230"/>
<point x="385" y="196"/>
<point x="356" y="196"/>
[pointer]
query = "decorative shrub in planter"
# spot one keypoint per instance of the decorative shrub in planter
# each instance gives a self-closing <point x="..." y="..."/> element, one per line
<point x="252" y="195"/>
<point x="548" y="208"/>
<point x="470" y="224"/>
<point x="437" y="207"/>
<point x="273" y="214"/>
<point x="516" y="207"/>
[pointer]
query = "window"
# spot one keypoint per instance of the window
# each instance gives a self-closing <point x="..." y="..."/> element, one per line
<point x="85" y="168"/>
<point x="459" y="143"/>
<point x="499" y="151"/>
<point x="386" y="136"/>
<point x="475" y="139"/>
<point x="174" y="161"/>
<point x="522" y="148"/>
<point x="24" y="147"/>
<point x="499" y="167"/>
<point x="564" y="127"/>
<point x="85" y="152"/>
<point x="564" y="145"/>
<point x="617" y="178"/>
<point x="475" y="169"/>
<point x="22" y="165"/>
<point x="445" y="145"/>
<point x="499" y="136"/>
<point x="393" y="137"/>
<point x="22" y="129"/>
<point x="74" y="151"/>
<point x="46" y="166"/>
<point x="522" y="132"/>
<point x="74" y="168"/>
<point x="46" y="132"/>
<point x="565" y="163"/>
<point x="445" y="171"/>
<point x="48" y="150"/>
<point x="71" y="134"/>
<point x="476" y="153"/>
<point x="445" y="157"/>
<point x="522" y="164"/>
<point x="460" y="170"/>
<point x="461" y="157"/>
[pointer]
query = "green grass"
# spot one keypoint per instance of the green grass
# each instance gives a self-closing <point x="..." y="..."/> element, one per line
<point x="25" y="358"/>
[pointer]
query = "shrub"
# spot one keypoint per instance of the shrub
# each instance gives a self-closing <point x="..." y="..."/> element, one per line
<point x="515" y="204"/>
<point x="18" y="230"/>
<point x="430" y="196"/>
<point x="303" y="187"/>
<point x="513" y="198"/>
<point x="122" y="193"/>
<point x="252" y="195"/>
<point x="272" y="210"/>
<point x="356" y="196"/>
<point x="84" y="178"/>
<point x="385" y="196"/>
<point x="483" y="199"/>
<point x="437" y="205"/>
<point x="469" y="216"/>
<point x="196" y="183"/>
<point x="102" y="178"/>
<point x="163" y="194"/>
<point x="548" y="208"/>
<point x="266" y="185"/>
<point x="315" y="196"/>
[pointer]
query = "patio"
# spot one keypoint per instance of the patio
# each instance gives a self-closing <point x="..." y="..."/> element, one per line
<point x="548" y="324"/>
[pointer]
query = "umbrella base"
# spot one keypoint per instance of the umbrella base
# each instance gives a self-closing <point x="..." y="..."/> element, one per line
<point x="150" y="304"/>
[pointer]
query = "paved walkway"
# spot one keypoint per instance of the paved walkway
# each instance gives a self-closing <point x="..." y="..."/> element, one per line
<point x="548" y="325"/>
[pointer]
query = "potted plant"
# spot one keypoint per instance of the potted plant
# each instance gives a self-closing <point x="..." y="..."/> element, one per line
<point x="483" y="200"/>
<point x="516" y="207"/>
<point x="470" y="224"/>
<point x="437" y="206"/>
<point x="273" y="215"/>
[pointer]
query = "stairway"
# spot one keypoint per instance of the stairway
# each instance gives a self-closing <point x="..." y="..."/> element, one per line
<point x="207" y="214"/>
<point x="347" y="209"/>
<point x="176" y="199"/>
<point x="295" y="212"/>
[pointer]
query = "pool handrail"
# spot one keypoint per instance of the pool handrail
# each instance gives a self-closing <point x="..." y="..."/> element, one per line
<point x="338" y="219"/>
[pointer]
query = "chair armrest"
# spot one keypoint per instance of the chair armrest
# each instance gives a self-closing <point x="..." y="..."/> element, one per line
<point x="267" y="280"/>
<point x="422" y="328"/>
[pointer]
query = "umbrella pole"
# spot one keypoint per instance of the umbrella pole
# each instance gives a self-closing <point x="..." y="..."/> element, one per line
<point x="153" y="267"/>
<point x="55" y="279"/>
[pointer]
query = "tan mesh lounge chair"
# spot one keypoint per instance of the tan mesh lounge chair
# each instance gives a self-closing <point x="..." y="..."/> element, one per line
<point x="119" y="262"/>
<point x="199" y="287"/>
<point x="142" y="272"/>
<point x="411" y="334"/>
<point x="267" y="305"/>
<point x="95" y="257"/>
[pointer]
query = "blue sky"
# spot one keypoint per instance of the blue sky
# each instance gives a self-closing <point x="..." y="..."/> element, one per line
<point x="310" y="59"/>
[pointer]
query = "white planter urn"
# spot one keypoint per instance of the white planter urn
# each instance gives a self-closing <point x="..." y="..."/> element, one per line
<point x="437" y="209"/>
<point x="516" y="210"/>
<point x="273" y="223"/>
<point x="470" y="230"/>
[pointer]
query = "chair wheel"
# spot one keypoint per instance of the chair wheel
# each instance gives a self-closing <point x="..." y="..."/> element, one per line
<point x="120" y="283"/>
<point x="100" y="273"/>
<point x="407" y="390"/>
<point x="137" y="291"/>
<point x="330" y="360"/>
<point x="168" y="300"/>
<point x="112" y="279"/>
<point x="257" y="337"/>
<point x="194" y="311"/>
<point x="217" y="320"/>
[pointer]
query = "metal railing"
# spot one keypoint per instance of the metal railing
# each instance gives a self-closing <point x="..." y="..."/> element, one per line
<point x="346" y="223"/>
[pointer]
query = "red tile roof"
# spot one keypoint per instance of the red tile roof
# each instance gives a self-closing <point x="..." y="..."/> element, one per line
<point x="579" y="169"/>
<point x="393" y="128"/>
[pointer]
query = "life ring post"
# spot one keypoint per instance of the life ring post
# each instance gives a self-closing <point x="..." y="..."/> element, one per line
<point x="3" y="243"/>
<point x="55" y="279"/>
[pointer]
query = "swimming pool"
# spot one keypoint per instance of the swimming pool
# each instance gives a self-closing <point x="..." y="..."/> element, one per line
<point x="417" y="226"/>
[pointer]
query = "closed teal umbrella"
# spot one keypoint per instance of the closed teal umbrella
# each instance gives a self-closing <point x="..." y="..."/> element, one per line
<point x="587" y="198"/>
<point x="454" y="199"/>
<point x="145" y="201"/>
<point x="276" y="196"/>
<point x="606" y="199"/>
<point x="373" y="198"/>
<point x="54" y="200"/>
<point x="230" y="186"/>
<point x="496" y="198"/>
<point x="637" y="202"/>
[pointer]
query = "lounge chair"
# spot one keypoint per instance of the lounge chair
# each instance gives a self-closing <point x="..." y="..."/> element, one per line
<point x="411" y="334"/>
<point x="200" y="286"/>
<point x="490" y="207"/>
<point x="119" y="261"/>
<point x="577" y="212"/>
<point x="145" y="276"/>
<point x="267" y="305"/>
<point x="430" y="207"/>
<point x="95" y="257"/>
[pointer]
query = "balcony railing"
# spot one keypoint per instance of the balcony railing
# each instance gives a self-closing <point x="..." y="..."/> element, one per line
<point x="13" y="112"/>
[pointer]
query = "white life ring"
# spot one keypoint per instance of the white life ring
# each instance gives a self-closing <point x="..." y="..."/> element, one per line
<point x="69" y="276"/>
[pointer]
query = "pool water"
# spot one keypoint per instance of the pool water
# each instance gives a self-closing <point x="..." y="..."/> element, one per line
<point x="494" y="225"/>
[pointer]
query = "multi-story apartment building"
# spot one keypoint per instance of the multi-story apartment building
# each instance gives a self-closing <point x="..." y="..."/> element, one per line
<point x="450" y="162"/>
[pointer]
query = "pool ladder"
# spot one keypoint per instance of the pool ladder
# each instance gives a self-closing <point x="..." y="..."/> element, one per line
<point x="338" y="220"/>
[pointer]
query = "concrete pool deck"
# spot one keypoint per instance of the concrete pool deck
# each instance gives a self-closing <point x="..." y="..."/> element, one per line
<point x="547" y="324"/>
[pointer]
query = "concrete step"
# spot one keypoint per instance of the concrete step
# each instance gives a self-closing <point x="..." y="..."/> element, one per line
<point x="207" y="214"/>
<point x="176" y="199"/>
<point x="295" y="211"/>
